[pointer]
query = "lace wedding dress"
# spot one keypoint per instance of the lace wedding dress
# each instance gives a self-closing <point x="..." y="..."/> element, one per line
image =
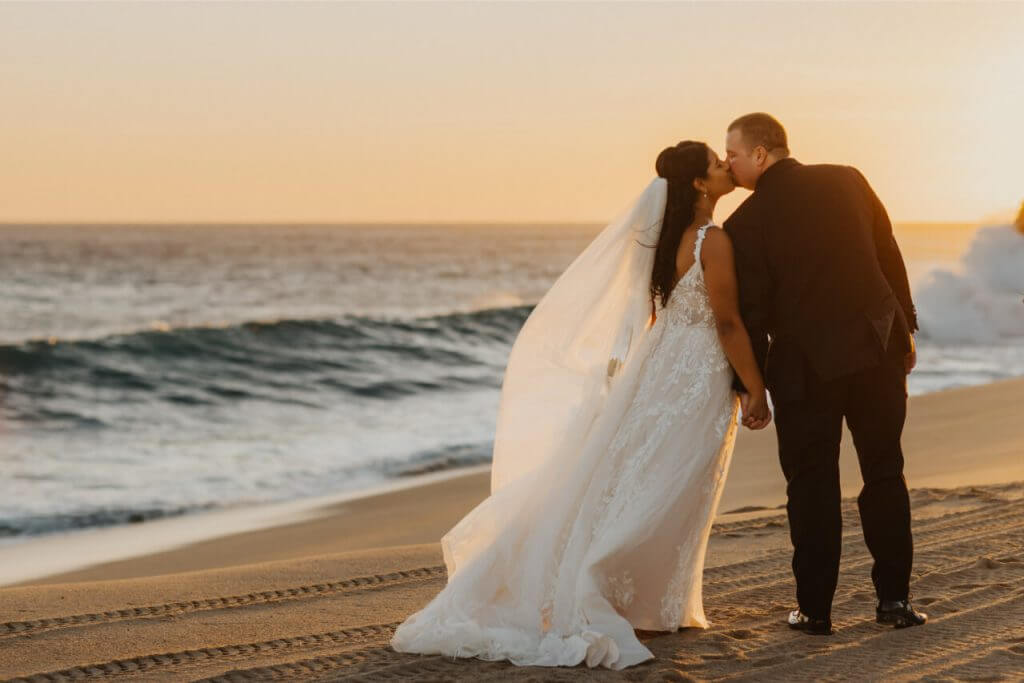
<point x="558" y="566"/>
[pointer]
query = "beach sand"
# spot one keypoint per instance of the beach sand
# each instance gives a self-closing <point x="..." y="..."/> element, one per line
<point x="318" y="599"/>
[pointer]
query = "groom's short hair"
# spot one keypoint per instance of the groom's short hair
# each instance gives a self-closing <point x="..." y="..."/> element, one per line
<point x="764" y="130"/>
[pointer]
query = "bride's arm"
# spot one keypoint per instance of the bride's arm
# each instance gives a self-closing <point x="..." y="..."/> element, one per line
<point x="723" y="294"/>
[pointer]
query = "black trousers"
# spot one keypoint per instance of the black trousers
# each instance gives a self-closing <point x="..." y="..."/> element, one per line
<point x="874" y="403"/>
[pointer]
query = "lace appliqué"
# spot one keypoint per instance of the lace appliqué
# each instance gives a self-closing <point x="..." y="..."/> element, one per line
<point x="620" y="589"/>
<point x="687" y="356"/>
<point x="688" y="302"/>
<point x="671" y="604"/>
<point x="725" y="432"/>
<point x="688" y="353"/>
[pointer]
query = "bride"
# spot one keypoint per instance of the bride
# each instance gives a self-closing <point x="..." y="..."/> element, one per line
<point x="615" y="431"/>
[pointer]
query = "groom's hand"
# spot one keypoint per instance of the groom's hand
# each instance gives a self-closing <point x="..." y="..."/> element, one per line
<point x="910" y="360"/>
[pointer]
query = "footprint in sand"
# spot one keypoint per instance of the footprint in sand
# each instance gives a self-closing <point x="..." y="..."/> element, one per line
<point x="740" y="634"/>
<point x="987" y="563"/>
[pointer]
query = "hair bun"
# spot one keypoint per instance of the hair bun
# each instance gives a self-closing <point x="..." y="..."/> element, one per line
<point x="684" y="160"/>
<point x="666" y="163"/>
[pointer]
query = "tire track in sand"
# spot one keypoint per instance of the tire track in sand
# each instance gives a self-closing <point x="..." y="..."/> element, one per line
<point x="346" y="586"/>
<point x="177" y="661"/>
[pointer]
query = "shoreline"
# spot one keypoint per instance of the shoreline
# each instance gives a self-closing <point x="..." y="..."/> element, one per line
<point x="67" y="551"/>
<point x="949" y="421"/>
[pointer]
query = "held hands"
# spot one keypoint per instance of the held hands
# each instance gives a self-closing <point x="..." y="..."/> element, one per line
<point x="756" y="414"/>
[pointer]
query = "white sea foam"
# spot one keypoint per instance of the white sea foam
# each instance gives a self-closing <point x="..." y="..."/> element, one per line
<point x="984" y="302"/>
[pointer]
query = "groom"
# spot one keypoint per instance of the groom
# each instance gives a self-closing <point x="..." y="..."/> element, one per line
<point x="825" y="298"/>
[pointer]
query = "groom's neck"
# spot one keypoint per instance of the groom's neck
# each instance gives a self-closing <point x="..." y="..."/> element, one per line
<point x="769" y="161"/>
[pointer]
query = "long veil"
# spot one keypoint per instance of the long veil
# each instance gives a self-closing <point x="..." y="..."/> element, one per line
<point x="576" y="341"/>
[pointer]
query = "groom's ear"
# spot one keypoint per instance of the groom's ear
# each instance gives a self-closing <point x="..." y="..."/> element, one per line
<point x="760" y="154"/>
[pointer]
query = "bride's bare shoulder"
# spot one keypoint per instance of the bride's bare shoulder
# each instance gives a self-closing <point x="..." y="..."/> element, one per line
<point x="717" y="245"/>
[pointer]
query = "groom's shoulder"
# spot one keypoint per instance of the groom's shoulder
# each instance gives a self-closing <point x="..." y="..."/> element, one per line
<point x="842" y="178"/>
<point x="844" y="171"/>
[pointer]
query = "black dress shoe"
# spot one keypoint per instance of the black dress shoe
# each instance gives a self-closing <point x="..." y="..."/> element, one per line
<point x="899" y="613"/>
<point x="816" y="627"/>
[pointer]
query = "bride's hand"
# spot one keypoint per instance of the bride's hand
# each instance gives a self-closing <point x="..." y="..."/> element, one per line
<point x="756" y="414"/>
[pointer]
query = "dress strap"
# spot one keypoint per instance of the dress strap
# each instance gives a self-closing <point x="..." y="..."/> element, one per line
<point x="702" y="231"/>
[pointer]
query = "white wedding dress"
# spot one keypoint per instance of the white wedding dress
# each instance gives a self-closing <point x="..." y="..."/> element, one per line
<point x="562" y="562"/>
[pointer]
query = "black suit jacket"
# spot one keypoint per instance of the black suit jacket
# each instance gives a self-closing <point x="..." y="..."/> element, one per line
<point x="822" y="285"/>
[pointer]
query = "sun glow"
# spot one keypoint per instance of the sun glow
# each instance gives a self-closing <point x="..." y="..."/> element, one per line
<point x="501" y="112"/>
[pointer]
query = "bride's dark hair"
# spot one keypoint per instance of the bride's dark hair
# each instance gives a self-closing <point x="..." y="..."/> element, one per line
<point x="679" y="165"/>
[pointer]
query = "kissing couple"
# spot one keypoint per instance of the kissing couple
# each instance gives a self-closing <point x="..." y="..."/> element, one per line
<point x="623" y="395"/>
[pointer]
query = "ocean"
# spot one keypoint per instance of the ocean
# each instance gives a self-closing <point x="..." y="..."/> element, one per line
<point x="156" y="370"/>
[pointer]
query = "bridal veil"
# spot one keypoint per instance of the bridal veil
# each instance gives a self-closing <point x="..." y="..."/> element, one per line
<point x="576" y="340"/>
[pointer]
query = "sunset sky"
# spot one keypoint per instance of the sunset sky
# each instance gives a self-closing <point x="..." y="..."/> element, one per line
<point x="489" y="112"/>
